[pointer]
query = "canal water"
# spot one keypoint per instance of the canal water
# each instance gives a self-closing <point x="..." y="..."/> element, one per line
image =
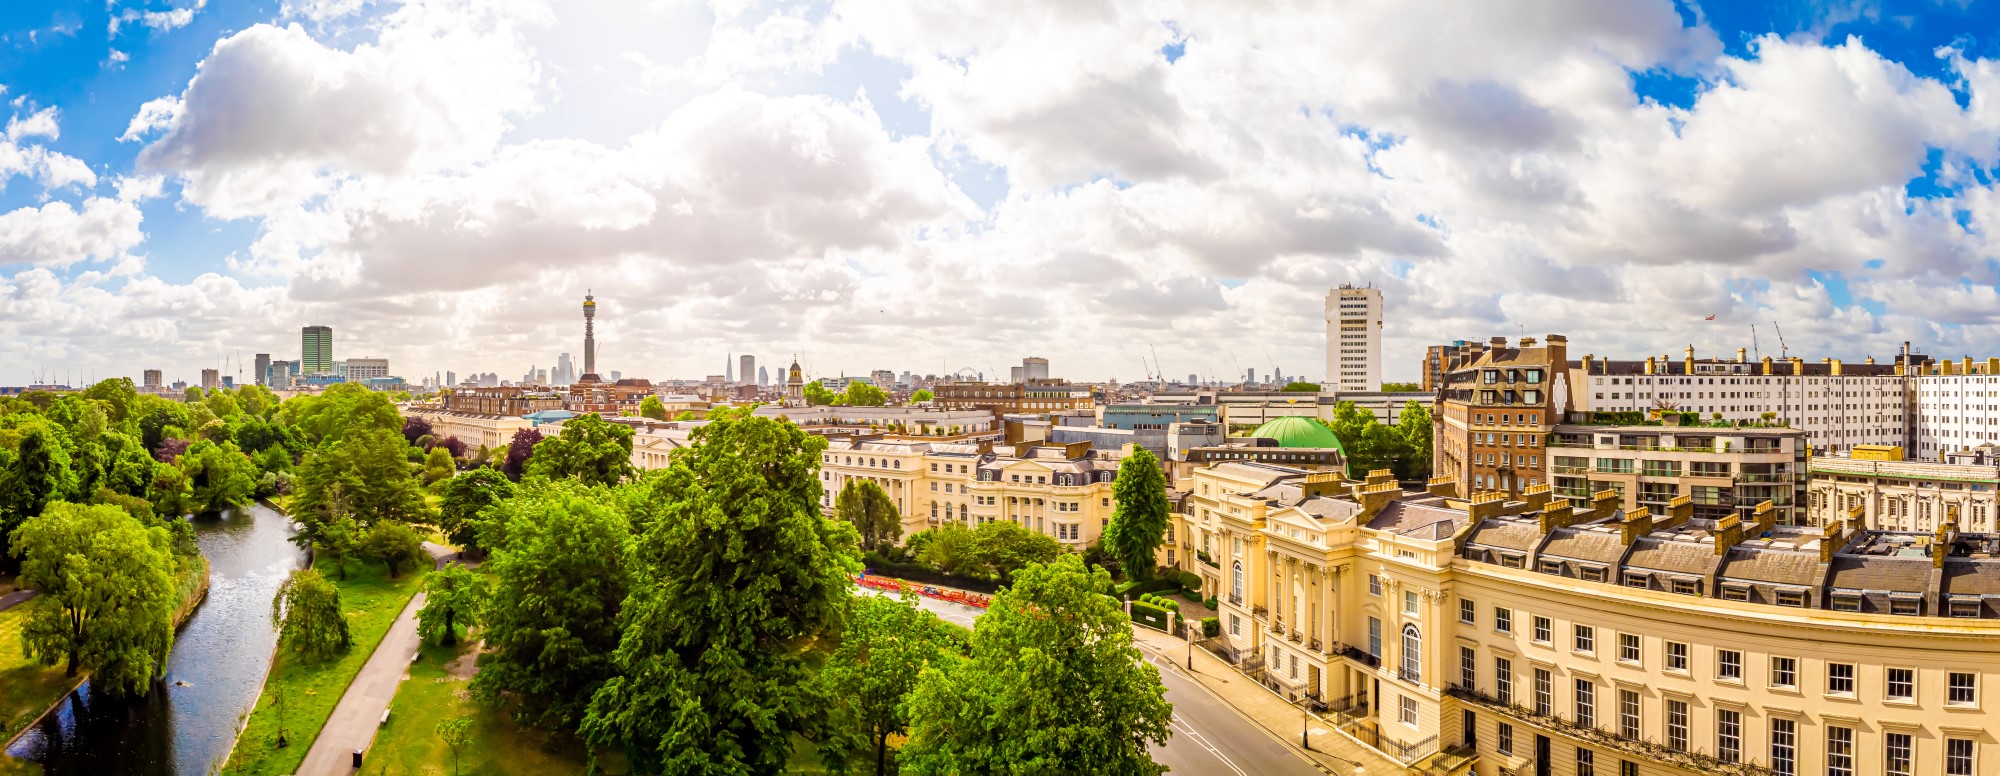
<point x="186" y="725"/>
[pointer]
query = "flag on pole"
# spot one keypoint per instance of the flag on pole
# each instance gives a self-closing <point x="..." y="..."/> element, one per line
<point x="1709" y="318"/>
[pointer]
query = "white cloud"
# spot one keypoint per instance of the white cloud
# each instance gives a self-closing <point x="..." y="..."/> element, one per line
<point x="58" y="235"/>
<point x="443" y="178"/>
<point x="274" y="115"/>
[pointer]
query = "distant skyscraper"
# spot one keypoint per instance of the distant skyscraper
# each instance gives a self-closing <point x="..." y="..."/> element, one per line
<point x="263" y="365"/>
<point x="748" y="368"/>
<point x="1250" y="376"/>
<point x="589" y="338"/>
<point x="763" y="376"/>
<point x="617" y="375"/>
<point x="153" y="378"/>
<point x="211" y="379"/>
<point x="565" y="370"/>
<point x="450" y="378"/>
<point x="316" y="350"/>
<point x="729" y="368"/>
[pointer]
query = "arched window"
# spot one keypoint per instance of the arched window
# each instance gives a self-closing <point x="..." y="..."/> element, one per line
<point x="1236" y="581"/>
<point x="899" y="464"/>
<point x="965" y="513"/>
<point x="933" y="510"/>
<point x="1413" y="654"/>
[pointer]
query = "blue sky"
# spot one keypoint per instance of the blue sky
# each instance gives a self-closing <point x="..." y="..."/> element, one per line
<point x="892" y="187"/>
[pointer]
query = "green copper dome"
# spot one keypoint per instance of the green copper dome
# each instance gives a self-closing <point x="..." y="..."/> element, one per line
<point x="1299" y="432"/>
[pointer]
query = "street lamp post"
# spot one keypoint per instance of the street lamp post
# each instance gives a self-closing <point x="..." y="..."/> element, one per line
<point x="1305" y="726"/>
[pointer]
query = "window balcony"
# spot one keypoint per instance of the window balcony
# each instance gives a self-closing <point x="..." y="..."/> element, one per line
<point x="1637" y="748"/>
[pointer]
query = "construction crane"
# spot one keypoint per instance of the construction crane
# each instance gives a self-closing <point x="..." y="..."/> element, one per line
<point x="1783" y="351"/>
<point x="1159" y="372"/>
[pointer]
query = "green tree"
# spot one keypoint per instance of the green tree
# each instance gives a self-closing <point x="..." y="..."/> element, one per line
<point x="886" y="646"/>
<point x="817" y="394"/>
<point x="337" y="542"/>
<point x="364" y="474"/>
<point x="1414" y="425"/>
<point x="107" y="593"/>
<point x="393" y="544"/>
<point x="1300" y="387"/>
<point x="1401" y="388"/>
<point x="118" y="396"/>
<point x="590" y="449"/>
<point x="219" y="477"/>
<point x="1049" y="640"/>
<point x="860" y="394"/>
<point x="1005" y="548"/>
<point x="551" y="623"/>
<point x="465" y="496"/>
<point x="169" y="491"/>
<point x="309" y="616"/>
<point x="652" y="407"/>
<point x="737" y="574"/>
<point x="456" y="732"/>
<point x="922" y="395"/>
<point x="438" y="465"/>
<point x="1139" y="515"/>
<point x="1369" y="444"/>
<point x="452" y="597"/>
<point x="863" y="505"/>
<point x="950" y="548"/>
<point x="343" y="409"/>
<point x="37" y="473"/>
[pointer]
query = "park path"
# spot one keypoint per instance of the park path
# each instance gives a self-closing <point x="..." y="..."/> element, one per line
<point x="9" y="600"/>
<point x="359" y="714"/>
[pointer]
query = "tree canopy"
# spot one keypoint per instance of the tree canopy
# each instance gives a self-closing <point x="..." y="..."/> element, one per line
<point x="519" y="450"/>
<point x="107" y="593"/>
<point x="817" y="394"/>
<point x="1139" y="514"/>
<point x="1301" y="387"/>
<point x="559" y="579"/>
<point x="589" y="448"/>
<point x="736" y="575"/>
<point x="922" y="395"/>
<point x="453" y="596"/>
<point x="464" y="497"/>
<point x="994" y="550"/>
<point x="1048" y="641"/>
<point x="864" y="505"/>
<point x="860" y="394"/>
<point x="309" y="617"/>
<point x="884" y="649"/>
<point x="652" y="407"/>
<point x="1371" y="445"/>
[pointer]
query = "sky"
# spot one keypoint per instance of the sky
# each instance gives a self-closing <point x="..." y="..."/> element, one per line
<point x="937" y="185"/>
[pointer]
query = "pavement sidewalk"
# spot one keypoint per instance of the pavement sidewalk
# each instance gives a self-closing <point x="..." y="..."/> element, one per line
<point x="359" y="713"/>
<point x="1331" y="749"/>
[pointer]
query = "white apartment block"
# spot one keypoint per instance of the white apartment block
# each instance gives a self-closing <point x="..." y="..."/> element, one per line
<point x="1957" y="409"/>
<point x="1353" y="340"/>
<point x="1838" y="406"/>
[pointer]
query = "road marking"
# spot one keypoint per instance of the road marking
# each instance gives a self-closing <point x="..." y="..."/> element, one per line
<point x="1160" y="656"/>
<point x="1200" y="740"/>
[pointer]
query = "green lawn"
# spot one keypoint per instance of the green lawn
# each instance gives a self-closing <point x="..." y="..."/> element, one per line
<point x="26" y="687"/>
<point x="409" y="744"/>
<point x="311" y="690"/>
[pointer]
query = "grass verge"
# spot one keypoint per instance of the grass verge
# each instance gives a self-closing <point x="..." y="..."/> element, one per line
<point x="26" y="687"/>
<point x="410" y="746"/>
<point x="310" y="690"/>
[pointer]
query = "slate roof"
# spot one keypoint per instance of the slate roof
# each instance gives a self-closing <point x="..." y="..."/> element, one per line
<point x="1872" y="572"/>
<point x="1405" y="516"/>
<point x="1964" y="577"/>
<point x="1506" y="534"/>
<point x="1674" y="556"/>
<point x="1778" y="567"/>
<point x="1590" y="545"/>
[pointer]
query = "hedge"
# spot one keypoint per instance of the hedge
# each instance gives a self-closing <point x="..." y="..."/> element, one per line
<point x="1150" y="616"/>
<point x="1136" y="589"/>
<point x="1210" y="627"/>
<point x="1187" y="580"/>
<point x="917" y="572"/>
<point x="1211" y="603"/>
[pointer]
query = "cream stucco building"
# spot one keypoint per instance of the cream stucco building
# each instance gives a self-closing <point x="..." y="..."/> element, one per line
<point x="1063" y="491"/>
<point x="1531" y="636"/>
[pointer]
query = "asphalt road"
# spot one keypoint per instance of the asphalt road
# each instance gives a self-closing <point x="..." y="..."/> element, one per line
<point x="1209" y="736"/>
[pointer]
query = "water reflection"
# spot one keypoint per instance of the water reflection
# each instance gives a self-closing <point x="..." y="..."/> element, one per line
<point x="186" y="725"/>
